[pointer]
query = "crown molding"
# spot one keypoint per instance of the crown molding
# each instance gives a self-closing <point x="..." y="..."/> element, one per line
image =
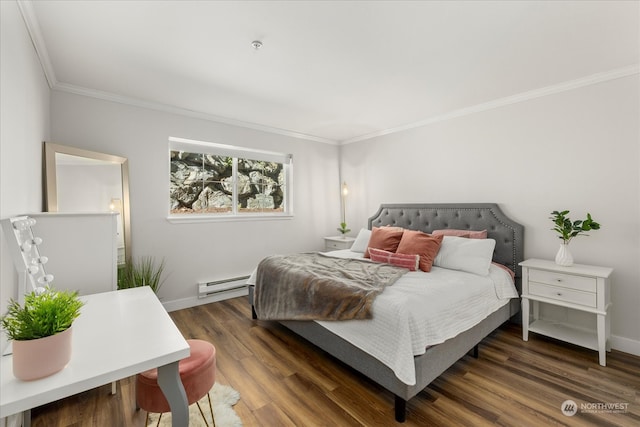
<point x="112" y="97"/>
<point x="33" y="28"/>
<point x="501" y="102"/>
<point x="485" y="106"/>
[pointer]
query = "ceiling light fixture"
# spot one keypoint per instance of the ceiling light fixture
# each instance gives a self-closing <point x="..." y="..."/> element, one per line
<point x="256" y="44"/>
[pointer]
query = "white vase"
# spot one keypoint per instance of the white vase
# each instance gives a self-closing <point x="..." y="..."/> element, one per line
<point x="564" y="257"/>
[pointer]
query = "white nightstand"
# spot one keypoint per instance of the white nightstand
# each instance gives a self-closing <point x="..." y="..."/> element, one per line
<point x="579" y="287"/>
<point x="338" y="242"/>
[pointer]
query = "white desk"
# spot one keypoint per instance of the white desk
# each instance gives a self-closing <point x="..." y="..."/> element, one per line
<point x="118" y="334"/>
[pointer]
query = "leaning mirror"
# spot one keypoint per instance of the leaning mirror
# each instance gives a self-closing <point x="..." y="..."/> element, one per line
<point x="79" y="180"/>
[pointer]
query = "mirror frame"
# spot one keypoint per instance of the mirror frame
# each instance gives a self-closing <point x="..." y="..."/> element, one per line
<point x="51" y="187"/>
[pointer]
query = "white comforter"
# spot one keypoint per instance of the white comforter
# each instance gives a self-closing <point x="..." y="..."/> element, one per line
<point x="421" y="310"/>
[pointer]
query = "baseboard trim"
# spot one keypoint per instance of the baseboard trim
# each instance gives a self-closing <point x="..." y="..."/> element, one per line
<point x="180" y="304"/>
<point x="625" y="345"/>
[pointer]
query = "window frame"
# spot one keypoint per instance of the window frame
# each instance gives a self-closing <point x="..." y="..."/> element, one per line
<point x="236" y="153"/>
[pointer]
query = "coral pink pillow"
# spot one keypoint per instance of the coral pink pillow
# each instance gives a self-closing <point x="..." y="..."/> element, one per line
<point x="399" y="260"/>
<point x="419" y="243"/>
<point x="461" y="233"/>
<point x="385" y="238"/>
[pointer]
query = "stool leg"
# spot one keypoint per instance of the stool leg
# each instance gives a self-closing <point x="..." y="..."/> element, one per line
<point x="146" y="420"/>
<point x="203" y="416"/>
<point x="213" y="419"/>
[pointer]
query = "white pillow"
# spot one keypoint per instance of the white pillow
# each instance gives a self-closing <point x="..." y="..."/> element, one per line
<point x="470" y="255"/>
<point x="362" y="241"/>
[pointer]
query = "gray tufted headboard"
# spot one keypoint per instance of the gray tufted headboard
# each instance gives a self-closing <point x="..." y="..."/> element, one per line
<point x="508" y="234"/>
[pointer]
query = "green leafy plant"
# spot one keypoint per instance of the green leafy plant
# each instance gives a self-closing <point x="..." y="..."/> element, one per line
<point x="143" y="272"/>
<point x="42" y="315"/>
<point x="343" y="228"/>
<point x="568" y="229"/>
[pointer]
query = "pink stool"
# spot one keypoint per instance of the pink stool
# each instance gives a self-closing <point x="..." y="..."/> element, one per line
<point x="197" y="373"/>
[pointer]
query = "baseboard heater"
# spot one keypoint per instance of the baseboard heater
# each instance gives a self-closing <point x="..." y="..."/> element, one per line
<point x="219" y="286"/>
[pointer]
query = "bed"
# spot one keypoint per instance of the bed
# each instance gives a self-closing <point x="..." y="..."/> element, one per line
<point x="508" y="252"/>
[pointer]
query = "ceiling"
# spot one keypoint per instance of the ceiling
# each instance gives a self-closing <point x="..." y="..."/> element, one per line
<point x="333" y="71"/>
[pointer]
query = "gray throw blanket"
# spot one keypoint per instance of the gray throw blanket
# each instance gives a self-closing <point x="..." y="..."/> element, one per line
<point x="317" y="287"/>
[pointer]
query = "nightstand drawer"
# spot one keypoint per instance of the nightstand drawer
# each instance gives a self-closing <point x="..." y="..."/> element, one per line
<point x="337" y="243"/>
<point x="580" y="283"/>
<point x="563" y="294"/>
<point x="334" y="245"/>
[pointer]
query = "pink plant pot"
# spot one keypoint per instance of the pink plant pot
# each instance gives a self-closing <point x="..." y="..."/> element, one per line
<point x="39" y="358"/>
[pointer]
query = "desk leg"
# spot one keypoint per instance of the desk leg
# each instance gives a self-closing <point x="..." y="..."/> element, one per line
<point x="26" y="418"/>
<point x="169" y="382"/>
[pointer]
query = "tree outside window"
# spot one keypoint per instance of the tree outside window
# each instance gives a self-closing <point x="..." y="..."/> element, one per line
<point x="205" y="183"/>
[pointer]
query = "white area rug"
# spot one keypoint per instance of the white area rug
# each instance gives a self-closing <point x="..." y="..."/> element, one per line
<point x="223" y="398"/>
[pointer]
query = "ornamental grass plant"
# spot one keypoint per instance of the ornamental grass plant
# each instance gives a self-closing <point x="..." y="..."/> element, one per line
<point x="143" y="272"/>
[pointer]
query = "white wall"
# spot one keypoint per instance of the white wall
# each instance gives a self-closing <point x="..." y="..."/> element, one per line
<point x="205" y="251"/>
<point x="576" y="150"/>
<point x="24" y="124"/>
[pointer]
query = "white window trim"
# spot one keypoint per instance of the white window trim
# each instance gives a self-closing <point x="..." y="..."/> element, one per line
<point x="182" y="144"/>
<point x="192" y="145"/>
<point x="199" y="218"/>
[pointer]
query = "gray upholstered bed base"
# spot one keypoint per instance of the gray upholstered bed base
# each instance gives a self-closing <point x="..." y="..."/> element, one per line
<point x="429" y="366"/>
<point x="509" y="250"/>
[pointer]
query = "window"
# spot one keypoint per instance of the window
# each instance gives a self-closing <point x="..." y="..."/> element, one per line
<point x="208" y="180"/>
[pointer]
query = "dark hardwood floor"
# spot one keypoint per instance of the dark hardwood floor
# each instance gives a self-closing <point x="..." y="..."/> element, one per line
<point x="285" y="381"/>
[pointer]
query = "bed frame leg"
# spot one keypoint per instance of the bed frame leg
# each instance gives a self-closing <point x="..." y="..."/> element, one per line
<point x="254" y="315"/>
<point x="476" y="351"/>
<point x="401" y="409"/>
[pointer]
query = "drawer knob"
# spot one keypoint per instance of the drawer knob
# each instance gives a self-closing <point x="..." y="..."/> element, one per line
<point x="558" y="280"/>
<point x="559" y="294"/>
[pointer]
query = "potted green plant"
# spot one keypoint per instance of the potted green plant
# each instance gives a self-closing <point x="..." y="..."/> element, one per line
<point x="343" y="228"/>
<point x="143" y="272"/>
<point x="567" y="230"/>
<point x="41" y="331"/>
